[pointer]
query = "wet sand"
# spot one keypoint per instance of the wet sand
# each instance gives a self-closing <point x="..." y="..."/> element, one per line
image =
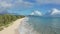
<point x="12" y="29"/>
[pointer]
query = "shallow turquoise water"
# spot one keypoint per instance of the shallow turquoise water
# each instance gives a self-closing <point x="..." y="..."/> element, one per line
<point x="42" y="25"/>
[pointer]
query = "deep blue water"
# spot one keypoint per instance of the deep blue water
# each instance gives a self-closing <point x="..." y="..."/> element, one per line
<point x="44" y="25"/>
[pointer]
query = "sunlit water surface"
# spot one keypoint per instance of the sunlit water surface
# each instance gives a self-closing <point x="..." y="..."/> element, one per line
<point x="40" y="25"/>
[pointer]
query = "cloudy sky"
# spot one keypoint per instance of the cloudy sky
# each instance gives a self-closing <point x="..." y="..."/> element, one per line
<point x="26" y="7"/>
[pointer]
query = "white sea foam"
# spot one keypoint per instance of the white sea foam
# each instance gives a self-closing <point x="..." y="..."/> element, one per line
<point x="26" y="28"/>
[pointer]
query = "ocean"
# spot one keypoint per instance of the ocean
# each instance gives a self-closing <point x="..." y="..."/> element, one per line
<point x="40" y="25"/>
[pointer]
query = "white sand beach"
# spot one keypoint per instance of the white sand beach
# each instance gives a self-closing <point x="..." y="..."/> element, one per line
<point x="12" y="29"/>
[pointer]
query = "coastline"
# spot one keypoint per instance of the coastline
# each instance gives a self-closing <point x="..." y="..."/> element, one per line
<point x="13" y="29"/>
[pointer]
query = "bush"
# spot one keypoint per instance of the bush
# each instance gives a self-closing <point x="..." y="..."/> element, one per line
<point x="7" y="19"/>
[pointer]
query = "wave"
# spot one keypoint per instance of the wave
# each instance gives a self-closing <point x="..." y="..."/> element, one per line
<point x="26" y="28"/>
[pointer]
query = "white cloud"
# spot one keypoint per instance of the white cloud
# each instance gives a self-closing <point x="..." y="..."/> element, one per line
<point x="5" y="4"/>
<point x="55" y="11"/>
<point x="32" y="13"/>
<point x="18" y="3"/>
<point x="15" y="4"/>
<point x="23" y="4"/>
<point x="48" y="1"/>
<point x="36" y="13"/>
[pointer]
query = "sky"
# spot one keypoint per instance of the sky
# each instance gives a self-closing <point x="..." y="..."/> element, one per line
<point x="26" y="7"/>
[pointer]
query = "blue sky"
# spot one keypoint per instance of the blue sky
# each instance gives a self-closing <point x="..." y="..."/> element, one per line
<point x="26" y="7"/>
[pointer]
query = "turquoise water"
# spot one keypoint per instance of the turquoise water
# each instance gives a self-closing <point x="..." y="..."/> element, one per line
<point x="41" y="25"/>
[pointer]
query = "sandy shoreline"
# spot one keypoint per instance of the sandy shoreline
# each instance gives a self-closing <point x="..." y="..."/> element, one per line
<point x="12" y="29"/>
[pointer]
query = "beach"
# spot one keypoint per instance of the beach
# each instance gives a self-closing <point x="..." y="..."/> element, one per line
<point x="13" y="29"/>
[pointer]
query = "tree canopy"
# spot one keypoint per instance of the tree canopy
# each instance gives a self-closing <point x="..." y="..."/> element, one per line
<point x="7" y="19"/>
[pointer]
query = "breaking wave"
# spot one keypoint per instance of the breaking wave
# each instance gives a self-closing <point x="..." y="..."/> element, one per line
<point x="26" y="28"/>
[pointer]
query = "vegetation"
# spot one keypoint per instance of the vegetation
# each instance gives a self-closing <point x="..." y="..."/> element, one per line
<point x="6" y="19"/>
